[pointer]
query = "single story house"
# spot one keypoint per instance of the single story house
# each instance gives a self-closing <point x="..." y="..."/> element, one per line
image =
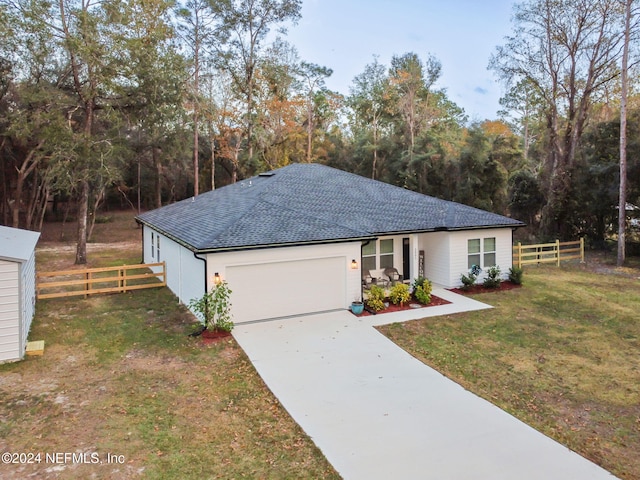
<point x="17" y="290"/>
<point x="296" y="240"/>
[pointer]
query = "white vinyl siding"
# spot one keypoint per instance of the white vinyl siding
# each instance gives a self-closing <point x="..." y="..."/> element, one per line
<point x="9" y="311"/>
<point x="448" y="254"/>
<point x="185" y="273"/>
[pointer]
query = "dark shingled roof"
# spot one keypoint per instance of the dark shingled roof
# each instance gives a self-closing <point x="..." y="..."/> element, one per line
<point x="307" y="204"/>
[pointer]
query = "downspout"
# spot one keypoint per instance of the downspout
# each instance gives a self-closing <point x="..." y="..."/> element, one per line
<point x="206" y="282"/>
<point x="206" y="290"/>
<point x="361" y="286"/>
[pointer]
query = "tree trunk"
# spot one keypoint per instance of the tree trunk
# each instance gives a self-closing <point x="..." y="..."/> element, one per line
<point x="309" y="130"/>
<point x="158" y="165"/>
<point x="83" y="208"/>
<point x="622" y="202"/>
<point x="196" y="165"/>
<point x="375" y="149"/>
<point x="213" y="163"/>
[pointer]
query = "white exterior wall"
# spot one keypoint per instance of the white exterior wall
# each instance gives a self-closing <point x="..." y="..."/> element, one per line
<point x="218" y="262"/>
<point x="504" y="252"/>
<point x="10" y="344"/>
<point x="185" y="273"/>
<point x="27" y="298"/>
<point x="446" y="253"/>
<point x="437" y="257"/>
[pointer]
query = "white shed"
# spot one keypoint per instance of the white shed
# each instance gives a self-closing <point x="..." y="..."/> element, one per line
<point x="17" y="290"/>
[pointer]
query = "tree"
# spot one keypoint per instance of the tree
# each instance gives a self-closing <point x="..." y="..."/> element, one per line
<point x="246" y="24"/>
<point x="367" y="100"/>
<point x="482" y="180"/>
<point x="313" y="78"/>
<point x="622" y="202"/>
<point x="411" y="81"/>
<point x="567" y="51"/>
<point x="522" y="104"/>
<point x="156" y="74"/>
<point x="32" y="117"/>
<point x="199" y="29"/>
<point x="280" y="107"/>
<point x="84" y="35"/>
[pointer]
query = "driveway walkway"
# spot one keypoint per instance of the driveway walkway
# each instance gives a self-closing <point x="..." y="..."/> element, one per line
<point x="378" y="413"/>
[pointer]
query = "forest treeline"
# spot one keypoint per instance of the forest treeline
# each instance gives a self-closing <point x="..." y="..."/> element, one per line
<point x="138" y="103"/>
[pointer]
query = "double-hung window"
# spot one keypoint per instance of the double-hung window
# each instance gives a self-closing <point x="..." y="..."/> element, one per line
<point x="377" y="254"/>
<point x="386" y="253"/>
<point x="157" y="248"/>
<point x="153" y="246"/>
<point x="369" y="256"/>
<point x="481" y="252"/>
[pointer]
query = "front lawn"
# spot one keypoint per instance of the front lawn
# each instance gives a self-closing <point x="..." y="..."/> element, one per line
<point x="123" y="388"/>
<point x="562" y="353"/>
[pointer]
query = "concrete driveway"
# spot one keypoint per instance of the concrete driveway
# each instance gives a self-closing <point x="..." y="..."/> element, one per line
<point x="378" y="413"/>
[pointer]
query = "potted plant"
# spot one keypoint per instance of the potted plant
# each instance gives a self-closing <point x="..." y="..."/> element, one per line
<point x="357" y="306"/>
<point x="213" y="310"/>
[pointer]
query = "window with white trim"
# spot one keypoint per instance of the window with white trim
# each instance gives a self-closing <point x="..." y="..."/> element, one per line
<point x="157" y="248"/>
<point x="489" y="252"/>
<point x="481" y="252"/>
<point x="386" y="253"/>
<point x="153" y="246"/>
<point x="369" y="256"/>
<point x="378" y="254"/>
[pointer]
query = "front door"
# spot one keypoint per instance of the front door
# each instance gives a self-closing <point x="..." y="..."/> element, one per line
<point x="406" y="256"/>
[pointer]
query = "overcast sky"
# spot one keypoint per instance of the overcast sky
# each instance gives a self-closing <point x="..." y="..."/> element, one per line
<point x="344" y="35"/>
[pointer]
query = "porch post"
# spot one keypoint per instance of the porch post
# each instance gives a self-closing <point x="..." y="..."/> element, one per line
<point x="415" y="249"/>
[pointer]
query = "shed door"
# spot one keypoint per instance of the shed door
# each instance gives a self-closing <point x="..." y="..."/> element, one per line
<point x="271" y="290"/>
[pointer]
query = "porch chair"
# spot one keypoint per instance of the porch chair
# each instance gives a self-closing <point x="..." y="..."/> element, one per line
<point x="367" y="279"/>
<point x="393" y="274"/>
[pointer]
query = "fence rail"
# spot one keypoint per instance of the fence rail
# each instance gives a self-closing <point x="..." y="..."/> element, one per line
<point x="548" y="253"/>
<point x="120" y="279"/>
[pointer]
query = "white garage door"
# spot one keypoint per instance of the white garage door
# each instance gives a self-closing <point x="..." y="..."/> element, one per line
<point x="272" y="290"/>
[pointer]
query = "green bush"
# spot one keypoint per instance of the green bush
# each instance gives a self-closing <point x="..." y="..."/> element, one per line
<point x="375" y="300"/>
<point x="422" y="291"/>
<point x="515" y="275"/>
<point x="467" y="281"/>
<point x="213" y="309"/>
<point x="493" y="277"/>
<point x="399" y="294"/>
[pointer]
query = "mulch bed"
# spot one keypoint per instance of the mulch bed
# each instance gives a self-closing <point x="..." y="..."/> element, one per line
<point x="211" y="336"/>
<point x="435" y="301"/>
<point x="479" y="288"/>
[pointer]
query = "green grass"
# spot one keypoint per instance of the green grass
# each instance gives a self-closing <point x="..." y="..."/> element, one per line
<point x="561" y="353"/>
<point x="120" y="375"/>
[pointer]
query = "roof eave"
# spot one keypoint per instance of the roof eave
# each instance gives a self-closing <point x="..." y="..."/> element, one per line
<point x="449" y="229"/>
<point x="284" y="245"/>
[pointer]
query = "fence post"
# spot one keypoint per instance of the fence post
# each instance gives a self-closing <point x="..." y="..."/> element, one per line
<point x="519" y="254"/>
<point x="581" y="249"/>
<point x="558" y="251"/>
<point x="87" y="285"/>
